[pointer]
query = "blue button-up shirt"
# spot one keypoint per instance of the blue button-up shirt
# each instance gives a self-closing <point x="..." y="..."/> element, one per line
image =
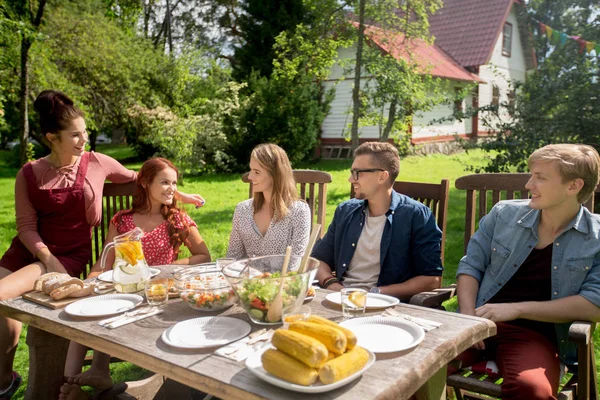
<point x="504" y="240"/>
<point x="410" y="244"/>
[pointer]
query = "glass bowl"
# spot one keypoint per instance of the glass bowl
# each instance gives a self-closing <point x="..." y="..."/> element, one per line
<point x="256" y="282"/>
<point x="204" y="288"/>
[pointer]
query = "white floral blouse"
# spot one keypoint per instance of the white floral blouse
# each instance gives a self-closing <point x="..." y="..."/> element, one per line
<point x="292" y="230"/>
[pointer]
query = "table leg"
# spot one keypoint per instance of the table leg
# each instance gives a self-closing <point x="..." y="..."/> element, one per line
<point x="47" y="355"/>
<point x="434" y="388"/>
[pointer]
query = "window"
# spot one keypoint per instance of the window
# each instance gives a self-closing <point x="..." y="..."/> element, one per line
<point x="512" y="97"/>
<point x="506" y="39"/>
<point x="495" y="95"/>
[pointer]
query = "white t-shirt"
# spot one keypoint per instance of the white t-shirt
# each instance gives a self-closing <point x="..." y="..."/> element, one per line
<point x="364" y="268"/>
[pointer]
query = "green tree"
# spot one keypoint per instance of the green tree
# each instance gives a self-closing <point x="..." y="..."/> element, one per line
<point x="26" y="16"/>
<point x="259" y="23"/>
<point x="558" y="103"/>
<point x="401" y="85"/>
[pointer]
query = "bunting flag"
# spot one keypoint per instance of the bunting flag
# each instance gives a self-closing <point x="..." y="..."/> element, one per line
<point x="556" y="37"/>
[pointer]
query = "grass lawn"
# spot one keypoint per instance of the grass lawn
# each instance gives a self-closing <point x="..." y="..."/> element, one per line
<point x="223" y="191"/>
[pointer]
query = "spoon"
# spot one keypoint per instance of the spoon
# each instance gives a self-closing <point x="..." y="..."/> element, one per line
<point x="274" y="313"/>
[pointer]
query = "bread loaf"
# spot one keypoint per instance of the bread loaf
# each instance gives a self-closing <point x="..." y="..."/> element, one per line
<point x="86" y="290"/>
<point x="40" y="281"/>
<point x="64" y="291"/>
<point x="50" y="284"/>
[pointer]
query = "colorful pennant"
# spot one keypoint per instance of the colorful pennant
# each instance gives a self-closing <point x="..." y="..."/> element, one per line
<point x="556" y="37"/>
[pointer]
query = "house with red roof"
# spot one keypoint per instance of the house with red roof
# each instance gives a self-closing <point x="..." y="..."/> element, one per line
<point x="477" y="42"/>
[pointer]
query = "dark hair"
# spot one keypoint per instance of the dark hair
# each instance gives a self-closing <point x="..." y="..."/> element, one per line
<point x="56" y="111"/>
<point x="141" y="201"/>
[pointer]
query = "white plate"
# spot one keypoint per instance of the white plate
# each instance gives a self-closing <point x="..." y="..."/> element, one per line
<point x="204" y="332"/>
<point x="385" y="334"/>
<point x="254" y="364"/>
<point x="374" y="300"/>
<point x="107" y="275"/>
<point x="100" y="306"/>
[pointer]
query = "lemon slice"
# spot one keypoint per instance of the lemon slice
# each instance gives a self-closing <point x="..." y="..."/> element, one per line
<point x="129" y="269"/>
<point x="358" y="299"/>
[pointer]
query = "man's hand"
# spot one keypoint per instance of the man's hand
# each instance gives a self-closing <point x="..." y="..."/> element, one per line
<point x="498" y="312"/>
<point x="194" y="199"/>
<point x="337" y="287"/>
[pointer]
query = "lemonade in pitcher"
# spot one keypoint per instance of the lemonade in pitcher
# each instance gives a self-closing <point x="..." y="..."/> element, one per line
<point x="130" y="270"/>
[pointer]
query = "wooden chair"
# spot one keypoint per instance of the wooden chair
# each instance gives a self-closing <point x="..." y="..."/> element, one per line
<point x="313" y="189"/>
<point x="434" y="196"/>
<point x="115" y="197"/>
<point x="583" y="385"/>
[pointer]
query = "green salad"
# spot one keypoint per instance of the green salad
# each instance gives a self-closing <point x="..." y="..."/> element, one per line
<point x="258" y="293"/>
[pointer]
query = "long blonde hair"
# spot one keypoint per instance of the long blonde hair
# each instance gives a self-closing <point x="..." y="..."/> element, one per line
<point x="275" y="160"/>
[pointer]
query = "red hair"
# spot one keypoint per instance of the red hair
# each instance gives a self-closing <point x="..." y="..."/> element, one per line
<point x="170" y="212"/>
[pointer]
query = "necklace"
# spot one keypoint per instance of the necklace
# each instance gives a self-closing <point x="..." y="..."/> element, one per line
<point x="59" y="168"/>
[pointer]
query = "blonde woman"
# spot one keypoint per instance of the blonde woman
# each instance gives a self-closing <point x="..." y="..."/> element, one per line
<point x="274" y="218"/>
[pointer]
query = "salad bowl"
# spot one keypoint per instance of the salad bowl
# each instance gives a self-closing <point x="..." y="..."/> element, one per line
<point x="256" y="282"/>
<point x="204" y="288"/>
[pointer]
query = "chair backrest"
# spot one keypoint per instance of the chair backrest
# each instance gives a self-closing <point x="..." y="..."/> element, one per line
<point x="115" y="197"/>
<point x="502" y="186"/>
<point x="313" y="189"/>
<point x="433" y="195"/>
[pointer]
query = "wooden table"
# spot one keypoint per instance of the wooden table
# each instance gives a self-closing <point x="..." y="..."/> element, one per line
<point x="421" y="371"/>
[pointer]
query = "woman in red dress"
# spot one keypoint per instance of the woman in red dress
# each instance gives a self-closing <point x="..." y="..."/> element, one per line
<point x="57" y="200"/>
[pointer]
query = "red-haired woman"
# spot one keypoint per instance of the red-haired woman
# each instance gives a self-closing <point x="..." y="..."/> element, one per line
<point x="58" y="199"/>
<point x="166" y="228"/>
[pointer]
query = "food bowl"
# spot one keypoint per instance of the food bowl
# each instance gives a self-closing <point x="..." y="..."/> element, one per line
<point x="204" y="288"/>
<point x="256" y="282"/>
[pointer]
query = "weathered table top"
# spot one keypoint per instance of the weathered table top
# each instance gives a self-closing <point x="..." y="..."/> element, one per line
<point x="391" y="377"/>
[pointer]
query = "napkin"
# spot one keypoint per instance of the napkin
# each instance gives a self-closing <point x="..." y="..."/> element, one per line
<point x="243" y="348"/>
<point x="129" y="320"/>
<point x="426" y="324"/>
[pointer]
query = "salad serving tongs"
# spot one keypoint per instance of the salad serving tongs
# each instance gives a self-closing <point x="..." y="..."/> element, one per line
<point x="274" y="313"/>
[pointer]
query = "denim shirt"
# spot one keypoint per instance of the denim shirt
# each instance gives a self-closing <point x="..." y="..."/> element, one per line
<point x="410" y="244"/>
<point x="505" y="238"/>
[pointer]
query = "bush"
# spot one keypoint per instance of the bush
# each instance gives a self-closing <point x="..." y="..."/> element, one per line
<point x="196" y="143"/>
<point x="34" y="151"/>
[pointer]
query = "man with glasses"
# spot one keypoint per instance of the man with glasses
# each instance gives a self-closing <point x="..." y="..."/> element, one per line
<point x="381" y="241"/>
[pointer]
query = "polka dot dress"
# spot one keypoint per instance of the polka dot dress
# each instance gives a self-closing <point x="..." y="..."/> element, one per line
<point x="155" y="244"/>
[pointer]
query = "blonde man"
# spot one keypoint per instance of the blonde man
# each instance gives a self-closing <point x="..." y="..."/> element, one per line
<point x="533" y="267"/>
<point x="381" y="241"/>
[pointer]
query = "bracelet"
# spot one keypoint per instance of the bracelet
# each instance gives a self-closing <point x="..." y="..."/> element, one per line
<point x="327" y="279"/>
<point x="330" y="282"/>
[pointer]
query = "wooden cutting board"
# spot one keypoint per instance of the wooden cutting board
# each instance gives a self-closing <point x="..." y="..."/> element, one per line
<point x="45" y="300"/>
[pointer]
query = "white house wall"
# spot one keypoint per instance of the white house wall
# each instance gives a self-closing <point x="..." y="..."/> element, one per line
<point x="337" y="123"/>
<point x="501" y="69"/>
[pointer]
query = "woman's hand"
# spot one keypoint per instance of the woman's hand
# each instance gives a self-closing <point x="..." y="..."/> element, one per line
<point x="194" y="199"/>
<point x="50" y="262"/>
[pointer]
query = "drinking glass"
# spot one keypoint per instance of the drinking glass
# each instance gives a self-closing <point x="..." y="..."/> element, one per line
<point x="157" y="291"/>
<point x="294" y="313"/>
<point x="222" y="262"/>
<point x="354" y="302"/>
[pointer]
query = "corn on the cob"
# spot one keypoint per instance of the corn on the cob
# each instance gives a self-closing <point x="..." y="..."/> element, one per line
<point x="343" y="366"/>
<point x="302" y="347"/>
<point x="333" y="338"/>
<point x="350" y="336"/>
<point x="288" y="368"/>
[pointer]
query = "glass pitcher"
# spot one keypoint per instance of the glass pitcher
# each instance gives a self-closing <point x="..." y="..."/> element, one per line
<point x="130" y="270"/>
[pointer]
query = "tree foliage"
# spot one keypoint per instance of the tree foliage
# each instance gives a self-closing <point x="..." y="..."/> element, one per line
<point x="559" y="101"/>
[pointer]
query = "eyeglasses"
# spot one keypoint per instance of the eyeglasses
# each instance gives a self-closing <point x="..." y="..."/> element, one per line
<point x="356" y="172"/>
